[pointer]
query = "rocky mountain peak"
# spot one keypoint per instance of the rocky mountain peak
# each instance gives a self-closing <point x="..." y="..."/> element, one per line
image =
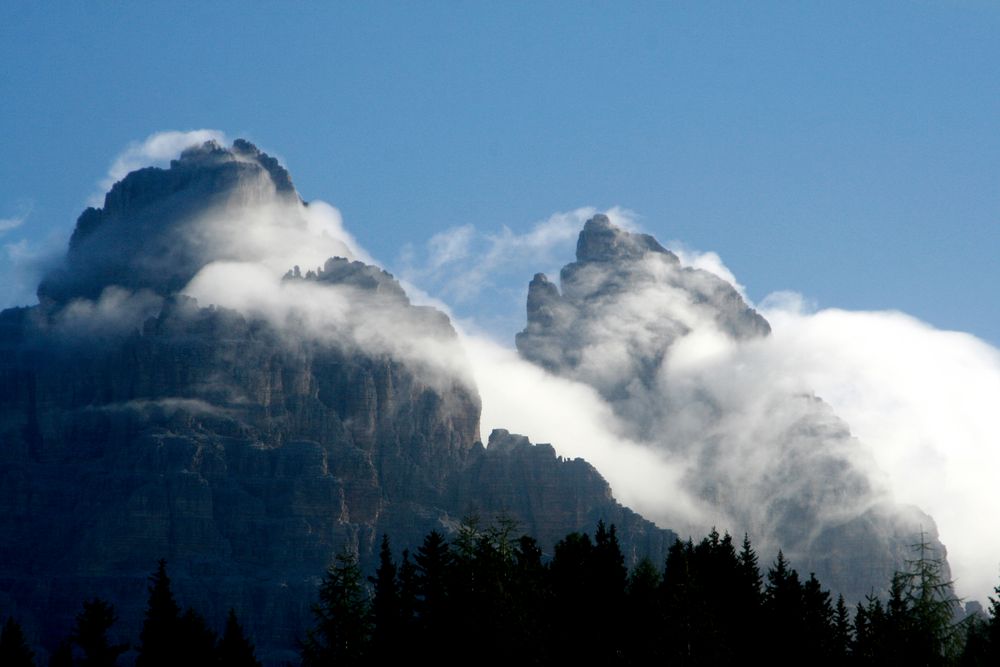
<point x="601" y="241"/>
<point x="141" y="239"/>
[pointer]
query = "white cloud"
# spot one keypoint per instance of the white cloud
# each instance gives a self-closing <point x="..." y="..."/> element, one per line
<point x="706" y="261"/>
<point x="462" y="263"/>
<point x="925" y="402"/>
<point x="7" y="224"/>
<point x="521" y="397"/>
<point x="155" y="150"/>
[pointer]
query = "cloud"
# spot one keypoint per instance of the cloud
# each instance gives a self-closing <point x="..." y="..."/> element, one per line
<point x="475" y="271"/>
<point x="24" y="262"/>
<point x="707" y="261"/>
<point x="923" y="401"/>
<point x="572" y="416"/>
<point x="115" y="312"/>
<point x="7" y="224"/>
<point x="155" y="150"/>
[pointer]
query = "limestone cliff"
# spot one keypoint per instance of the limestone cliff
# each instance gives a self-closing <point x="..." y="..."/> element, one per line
<point x="663" y="344"/>
<point x="247" y="447"/>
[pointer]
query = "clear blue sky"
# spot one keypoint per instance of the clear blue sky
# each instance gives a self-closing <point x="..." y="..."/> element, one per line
<point x="849" y="151"/>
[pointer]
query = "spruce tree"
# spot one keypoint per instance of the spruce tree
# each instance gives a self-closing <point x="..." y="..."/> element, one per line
<point x="235" y="650"/>
<point x="14" y="649"/>
<point x="158" y="640"/>
<point x="91" y="635"/>
<point x="387" y="611"/>
<point x="342" y="632"/>
<point x="196" y="641"/>
<point x="819" y="622"/>
<point x="933" y="605"/>
<point x="63" y="655"/>
<point x="784" y="606"/>
<point x="434" y="561"/>
<point x="842" y="636"/>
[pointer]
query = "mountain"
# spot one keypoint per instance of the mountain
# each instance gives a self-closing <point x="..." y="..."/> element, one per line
<point x="675" y="351"/>
<point x="173" y="396"/>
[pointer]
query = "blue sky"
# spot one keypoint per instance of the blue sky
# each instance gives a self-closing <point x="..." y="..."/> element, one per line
<point x="846" y="151"/>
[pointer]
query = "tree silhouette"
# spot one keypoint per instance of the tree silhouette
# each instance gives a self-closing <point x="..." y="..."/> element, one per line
<point x="14" y="649"/>
<point x="235" y="650"/>
<point x="387" y="608"/>
<point x="932" y="604"/>
<point x="90" y="634"/>
<point x="342" y="632"/>
<point x="159" y="646"/>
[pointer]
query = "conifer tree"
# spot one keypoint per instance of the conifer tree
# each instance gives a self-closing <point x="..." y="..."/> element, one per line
<point x="842" y="637"/>
<point x="387" y="612"/>
<point x="992" y="630"/>
<point x="785" y="608"/>
<point x="433" y="572"/>
<point x="63" y="655"/>
<point x="14" y="649"/>
<point x="818" y="621"/>
<point x="932" y="604"/>
<point x="196" y="641"/>
<point x="158" y="639"/>
<point x="235" y="650"/>
<point x="90" y="634"/>
<point x="342" y="633"/>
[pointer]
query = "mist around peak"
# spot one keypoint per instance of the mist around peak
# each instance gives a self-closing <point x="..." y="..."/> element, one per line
<point x="670" y="381"/>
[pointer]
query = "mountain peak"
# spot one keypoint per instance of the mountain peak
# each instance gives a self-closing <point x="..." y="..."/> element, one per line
<point x="602" y="241"/>
<point x="142" y="238"/>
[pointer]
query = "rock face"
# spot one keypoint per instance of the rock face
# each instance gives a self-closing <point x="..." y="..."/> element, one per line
<point x="246" y="448"/>
<point x="667" y="347"/>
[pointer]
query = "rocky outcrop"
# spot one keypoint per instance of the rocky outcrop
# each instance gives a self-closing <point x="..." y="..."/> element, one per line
<point x="664" y="345"/>
<point x="246" y="448"/>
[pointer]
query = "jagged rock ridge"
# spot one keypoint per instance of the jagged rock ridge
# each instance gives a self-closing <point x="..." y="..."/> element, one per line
<point x="780" y="465"/>
<point x="244" y="449"/>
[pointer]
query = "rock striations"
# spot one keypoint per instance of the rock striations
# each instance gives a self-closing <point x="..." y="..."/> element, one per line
<point x="246" y="448"/>
<point x="664" y="345"/>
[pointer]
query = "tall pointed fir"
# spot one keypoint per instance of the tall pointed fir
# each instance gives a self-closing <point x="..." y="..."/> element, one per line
<point x="342" y="632"/>
<point x="14" y="649"/>
<point x="91" y="635"/>
<point x="158" y="640"/>
<point x="933" y="604"/>
<point x="235" y="650"/>
<point x="387" y="610"/>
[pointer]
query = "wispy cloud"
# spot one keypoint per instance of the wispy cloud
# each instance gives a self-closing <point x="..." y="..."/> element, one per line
<point x="487" y="271"/>
<point x="155" y="150"/>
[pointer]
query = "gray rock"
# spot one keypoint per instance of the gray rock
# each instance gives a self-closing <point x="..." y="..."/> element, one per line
<point x="244" y="452"/>
<point x="781" y="466"/>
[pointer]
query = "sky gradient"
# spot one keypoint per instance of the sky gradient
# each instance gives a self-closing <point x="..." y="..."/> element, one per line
<point x="848" y="152"/>
<point x="844" y="156"/>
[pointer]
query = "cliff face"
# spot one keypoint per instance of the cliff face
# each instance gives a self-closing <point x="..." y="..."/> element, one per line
<point x="664" y="345"/>
<point x="246" y="447"/>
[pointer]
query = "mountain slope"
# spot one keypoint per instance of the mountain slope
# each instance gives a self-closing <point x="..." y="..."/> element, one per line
<point x="672" y="350"/>
<point x="247" y="435"/>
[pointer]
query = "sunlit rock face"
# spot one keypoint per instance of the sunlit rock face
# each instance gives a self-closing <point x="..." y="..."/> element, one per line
<point x="676" y="352"/>
<point x="246" y="445"/>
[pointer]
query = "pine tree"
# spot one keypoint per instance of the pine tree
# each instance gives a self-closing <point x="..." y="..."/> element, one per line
<point x="842" y="637"/>
<point x="434" y="561"/>
<point x="14" y="649"/>
<point x="932" y="604"/>
<point x="819" y="622"/>
<point x="784" y="606"/>
<point x="387" y="612"/>
<point x="90" y="634"/>
<point x="195" y="639"/>
<point x="235" y="650"/>
<point x="159" y="636"/>
<point x="63" y="655"/>
<point x="342" y="632"/>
